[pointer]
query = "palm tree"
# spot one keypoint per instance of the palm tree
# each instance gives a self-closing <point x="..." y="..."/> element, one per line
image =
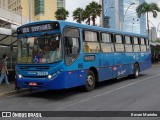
<point x="93" y="10"/>
<point x="61" y="14"/>
<point x="87" y="14"/>
<point x="145" y="8"/>
<point x="78" y="15"/>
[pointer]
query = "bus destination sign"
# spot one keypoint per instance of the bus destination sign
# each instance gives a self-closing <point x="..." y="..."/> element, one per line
<point x="38" y="28"/>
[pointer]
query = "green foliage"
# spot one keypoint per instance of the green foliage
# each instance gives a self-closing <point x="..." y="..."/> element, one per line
<point x="61" y="14"/>
<point x="94" y="9"/>
<point x="90" y="13"/>
<point x="146" y="8"/>
<point x="78" y="15"/>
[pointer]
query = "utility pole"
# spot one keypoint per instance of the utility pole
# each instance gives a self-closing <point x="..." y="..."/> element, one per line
<point x="102" y="13"/>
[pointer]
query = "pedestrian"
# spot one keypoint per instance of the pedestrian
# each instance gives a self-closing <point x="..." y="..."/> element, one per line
<point x="4" y="71"/>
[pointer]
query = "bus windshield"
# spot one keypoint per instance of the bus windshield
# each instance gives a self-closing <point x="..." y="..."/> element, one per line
<point x="42" y="49"/>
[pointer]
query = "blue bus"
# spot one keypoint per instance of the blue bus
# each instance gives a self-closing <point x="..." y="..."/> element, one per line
<point x="61" y="55"/>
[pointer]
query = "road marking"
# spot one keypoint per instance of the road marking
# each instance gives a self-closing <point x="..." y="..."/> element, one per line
<point x="84" y="100"/>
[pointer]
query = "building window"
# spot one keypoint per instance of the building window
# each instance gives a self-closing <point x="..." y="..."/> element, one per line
<point x="39" y="7"/>
<point x="60" y="3"/>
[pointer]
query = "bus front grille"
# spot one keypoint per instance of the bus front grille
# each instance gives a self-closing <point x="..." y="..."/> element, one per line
<point x="35" y="77"/>
<point x="34" y="68"/>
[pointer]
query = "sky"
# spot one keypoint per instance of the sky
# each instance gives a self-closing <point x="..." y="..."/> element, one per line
<point x="71" y="5"/>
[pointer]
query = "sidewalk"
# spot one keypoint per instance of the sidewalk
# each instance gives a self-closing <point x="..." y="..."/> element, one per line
<point x="155" y="64"/>
<point x="6" y="91"/>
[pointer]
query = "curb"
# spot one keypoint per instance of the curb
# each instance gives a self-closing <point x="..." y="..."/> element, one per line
<point x="13" y="93"/>
<point x="155" y="65"/>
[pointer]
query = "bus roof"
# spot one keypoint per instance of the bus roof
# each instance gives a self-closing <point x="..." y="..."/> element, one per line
<point x="64" y="23"/>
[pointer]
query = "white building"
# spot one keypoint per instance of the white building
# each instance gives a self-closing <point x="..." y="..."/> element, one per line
<point x="152" y="34"/>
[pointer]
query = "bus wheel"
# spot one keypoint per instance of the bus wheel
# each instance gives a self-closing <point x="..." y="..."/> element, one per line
<point x="90" y="81"/>
<point x="136" y="71"/>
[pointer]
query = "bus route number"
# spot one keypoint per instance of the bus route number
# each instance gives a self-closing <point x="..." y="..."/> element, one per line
<point x="42" y="73"/>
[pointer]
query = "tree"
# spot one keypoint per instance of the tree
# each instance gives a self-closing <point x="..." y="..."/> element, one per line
<point x="145" y="8"/>
<point x="92" y="11"/>
<point x="86" y="15"/>
<point x="61" y="14"/>
<point x="78" y="15"/>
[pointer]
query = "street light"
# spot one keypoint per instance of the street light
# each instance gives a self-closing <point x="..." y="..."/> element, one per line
<point x="102" y="24"/>
<point x="128" y="8"/>
<point x="127" y="11"/>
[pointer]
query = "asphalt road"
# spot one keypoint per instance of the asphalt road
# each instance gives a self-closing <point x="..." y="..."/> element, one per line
<point x="142" y="94"/>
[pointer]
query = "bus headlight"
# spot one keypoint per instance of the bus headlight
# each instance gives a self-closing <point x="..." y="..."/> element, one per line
<point x="49" y="76"/>
<point x="20" y="76"/>
<point x="54" y="74"/>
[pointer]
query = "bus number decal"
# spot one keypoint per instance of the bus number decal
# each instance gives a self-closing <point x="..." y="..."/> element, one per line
<point x="42" y="73"/>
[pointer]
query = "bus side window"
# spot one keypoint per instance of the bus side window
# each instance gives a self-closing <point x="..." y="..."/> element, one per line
<point x="106" y="42"/>
<point x="119" y="46"/>
<point x="136" y="44"/>
<point x="128" y="44"/>
<point x="147" y="45"/>
<point x="143" y="44"/>
<point x="90" y="42"/>
<point x="71" y="44"/>
<point x="67" y="47"/>
<point x="72" y="48"/>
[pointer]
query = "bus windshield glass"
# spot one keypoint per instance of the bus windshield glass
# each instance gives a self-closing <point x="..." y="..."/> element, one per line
<point x="42" y="49"/>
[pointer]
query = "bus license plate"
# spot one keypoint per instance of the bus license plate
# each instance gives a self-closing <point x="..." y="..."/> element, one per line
<point x="32" y="84"/>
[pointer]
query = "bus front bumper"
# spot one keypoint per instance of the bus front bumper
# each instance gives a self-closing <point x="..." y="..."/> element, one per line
<point x="41" y="83"/>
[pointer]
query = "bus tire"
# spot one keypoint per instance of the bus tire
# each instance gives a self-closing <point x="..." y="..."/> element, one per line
<point x="90" y="81"/>
<point x="136" y="71"/>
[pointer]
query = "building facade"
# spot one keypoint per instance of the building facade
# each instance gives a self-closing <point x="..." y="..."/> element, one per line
<point x="4" y="4"/>
<point x="36" y="9"/>
<point x="123" y="15"/>
<point x="152" y="34"/>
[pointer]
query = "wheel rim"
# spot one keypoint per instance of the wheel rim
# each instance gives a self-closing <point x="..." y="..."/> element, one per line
<point x="137" y="72"/>
<point x="90" y="80"/>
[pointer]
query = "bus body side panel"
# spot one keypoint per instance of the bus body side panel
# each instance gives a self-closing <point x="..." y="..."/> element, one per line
<point x="143" y="59"/>
<point x="121" y="64"/>
<point x="129" y="58"/>
<point x="77" y="72"/>
<point x="71" y="78"/>
<point x="106" y="71"/>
